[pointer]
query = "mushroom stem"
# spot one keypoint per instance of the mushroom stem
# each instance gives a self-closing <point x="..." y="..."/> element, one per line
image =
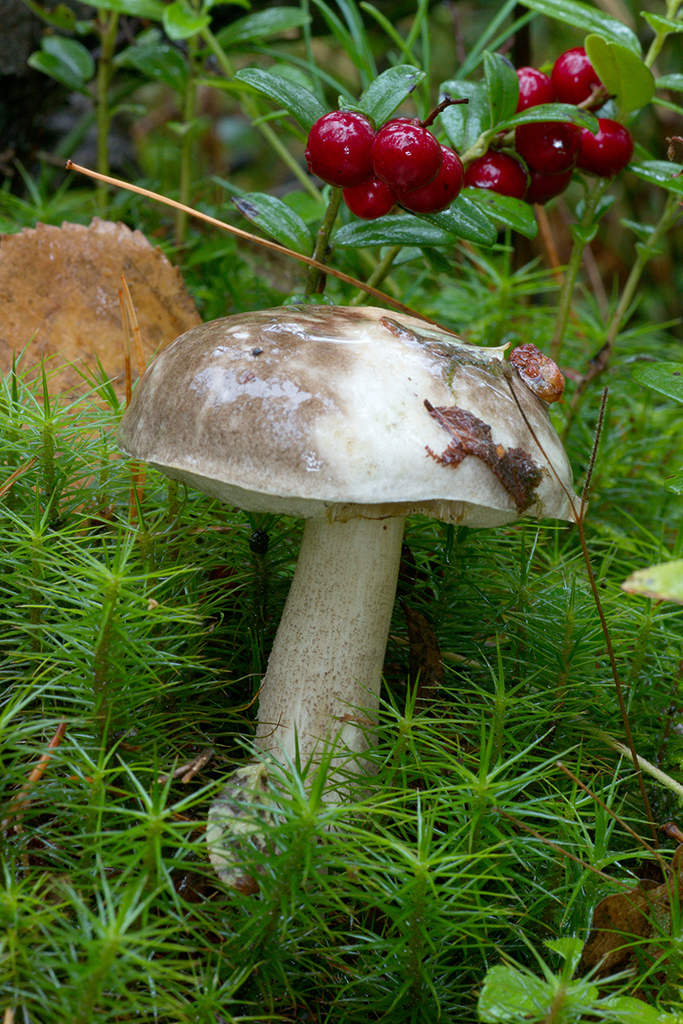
<point x="328" y="654"/>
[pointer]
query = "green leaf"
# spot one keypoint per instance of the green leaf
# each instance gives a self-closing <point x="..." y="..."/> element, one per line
<point x="298" y="101"/>
<point x="277" y="219"/>
<point x="508" y="994"/>
<point x="464" y="219"/>
<point x="503" y="87"/>
<point x="261" y="25"/>
<point x="660" y="172"/>
<point x="436" y="259"/>
<point x="627" y="1010"/>
<point x="622" y="73"/>
<point x="388" y="91"/>
<point x="403" y="229"/>
<point x="666" y="378"/>
<point x="65" y="60"/>
<point x="572" y="12"/>
<point x="513" y="213"/>
<point x="662" y="25"/>
<point x="663" y="582"/>
<point x="61" y="17"/>
<point x="552" y="112"/>
<point x="158" y="61"/>
<point x="674" y="82"/>
<point x="152" y="9"/>
<point x="464" y="123"/>
<point x="181" y="22"/>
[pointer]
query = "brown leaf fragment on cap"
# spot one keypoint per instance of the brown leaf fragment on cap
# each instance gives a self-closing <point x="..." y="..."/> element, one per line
<point x="513" y="467"/>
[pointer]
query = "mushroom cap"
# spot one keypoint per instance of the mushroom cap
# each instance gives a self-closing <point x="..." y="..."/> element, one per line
<point x="333" y="412"/>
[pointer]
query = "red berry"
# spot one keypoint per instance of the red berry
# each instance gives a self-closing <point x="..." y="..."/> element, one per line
<point x="534" y="88"/>
<point x="549" y="147"/>
<point x="339" y="148"/>
<point x="574" y="76"/>
<point x="543" y="187"/>
<point x="405" y="156"/>
<point x="499" y="172"/>
<point x="369" y="200"/>
<point x="608" y="152"/>
<point x="441" y="192"/>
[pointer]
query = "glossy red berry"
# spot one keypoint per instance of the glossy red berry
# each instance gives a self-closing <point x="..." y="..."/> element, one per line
<point x="608" y="152"/>
<point x="549" y="147"/>
<point x="543" y="187"/>
<point x="499" y="172"/>
<point x="441" y="192"/>
<point x="574" y="76"/>
<point x="339" y="148"/>
<point x="534" y="88"/>
<point x="370" y="200"/>
<point x="405" y="155"/>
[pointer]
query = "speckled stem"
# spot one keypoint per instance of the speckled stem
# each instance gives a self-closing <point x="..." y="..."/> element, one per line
<point x="328" y="654"/>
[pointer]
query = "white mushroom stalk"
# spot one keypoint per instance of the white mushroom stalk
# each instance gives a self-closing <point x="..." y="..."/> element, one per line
<point x="324" y="673"/>
<point x="352" y="419"/>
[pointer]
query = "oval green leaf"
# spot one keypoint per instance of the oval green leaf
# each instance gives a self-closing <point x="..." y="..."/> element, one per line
<point x="666" y="378"/>
<point x="388" y="91"/>
<point x="158" y="61"/>
<point x="622" y="72"/>
<point x="660" y="172"/>
<point x="181" y="22"/>
<point x="503" y="87"/>
<point x="276" y="219"/>
<point x="298" y="101"/>
<point x="552" y="112"/>
<point x="261" y="25"/>
<point x="404" y="229"/>
<point x="464" y="123"/>
<point x="464" y="219"/>
<point x="572" y="12"/>
<point x="513" y="213"/>
<point x="663" y="582"/>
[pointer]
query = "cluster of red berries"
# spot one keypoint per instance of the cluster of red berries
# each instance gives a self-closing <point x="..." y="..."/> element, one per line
<point x="401" y="163"/>
<point x="551" y="150"/>
<point x="404" y="163"/>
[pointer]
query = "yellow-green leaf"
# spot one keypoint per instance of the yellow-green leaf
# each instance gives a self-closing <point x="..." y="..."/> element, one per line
<point x="663" y="582"/>
<point x="622" y="72"/>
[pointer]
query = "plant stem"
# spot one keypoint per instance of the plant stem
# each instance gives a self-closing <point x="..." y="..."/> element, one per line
<point x="187" y="141"/>
<point x="251" y="108"/>
<point x="314" y="275"/>
<point x="108" y="26"/>
<point x="379" y="274"/>
<point x="581" y="239"/>
<point x="662" y="34"/>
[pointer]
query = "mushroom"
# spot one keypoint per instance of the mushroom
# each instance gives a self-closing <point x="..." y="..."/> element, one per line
<point x="352" y="419"/>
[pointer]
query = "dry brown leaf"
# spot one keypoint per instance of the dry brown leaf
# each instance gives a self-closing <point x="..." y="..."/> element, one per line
<point x="59" y="299"/>
<point x="623" y="923"/>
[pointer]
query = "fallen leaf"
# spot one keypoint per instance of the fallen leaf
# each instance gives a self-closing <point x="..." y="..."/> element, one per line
<point x="623" y="923"/>
<point x="59" y="299"/>
<point x="516" y="470"/>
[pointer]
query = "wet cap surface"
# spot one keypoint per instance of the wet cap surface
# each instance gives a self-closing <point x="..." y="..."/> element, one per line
<point x="323" y="412"/>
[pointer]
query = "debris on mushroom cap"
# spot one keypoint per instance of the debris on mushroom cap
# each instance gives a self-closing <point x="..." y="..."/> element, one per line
<point x="324" y="412"/>
<point x="538" y="371"/>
